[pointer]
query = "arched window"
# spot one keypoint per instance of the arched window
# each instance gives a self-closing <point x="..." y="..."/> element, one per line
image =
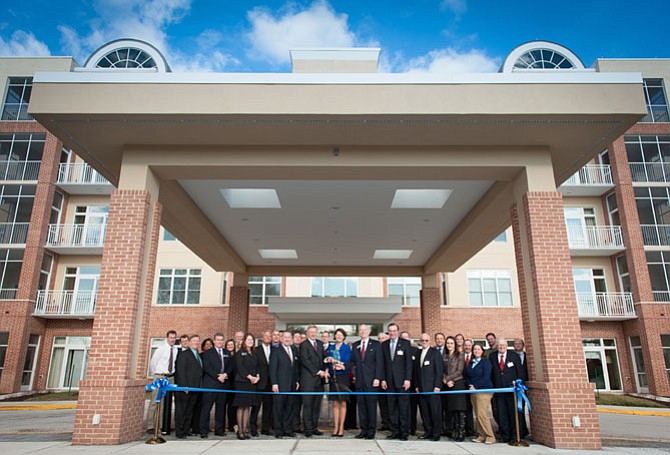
<point x="541" y="55"/>
<point x="128" y="54"/>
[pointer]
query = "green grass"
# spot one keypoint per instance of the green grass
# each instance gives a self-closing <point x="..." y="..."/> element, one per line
<point x="607" y="399"/>
<point x="54" y="396"/>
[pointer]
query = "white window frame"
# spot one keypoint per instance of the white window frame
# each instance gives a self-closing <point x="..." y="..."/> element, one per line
<point x="29" y="386"/>
<point x="322" y="286"/>
<point x="405" y="281"/>
<point x="191" y="274"/>
<point x="263" y="281"/>
<point x="488" y="274"/>
<point x="601" y="351"/>
<point x="636" y="372"/>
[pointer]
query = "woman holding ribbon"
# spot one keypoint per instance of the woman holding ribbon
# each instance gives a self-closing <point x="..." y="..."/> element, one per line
<point x="478" y="376"/>
<point x="339" y="353"/>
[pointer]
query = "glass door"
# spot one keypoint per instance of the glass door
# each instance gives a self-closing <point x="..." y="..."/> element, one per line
<point x="80" y="289"/>
<point x="69" y="360"/>
<point x="90" y="222"/>
<point x="638" y="365"/>
<point x="595" y="370"/>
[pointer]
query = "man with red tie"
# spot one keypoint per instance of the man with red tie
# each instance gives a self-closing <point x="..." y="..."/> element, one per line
<point x="506" y="369"/>
<point x="469" y="415"/>
<point x="284" y="373"/>
<point x="312" y="374"/>
<point x="368" y="366"/>
<point x="217" y="367"/>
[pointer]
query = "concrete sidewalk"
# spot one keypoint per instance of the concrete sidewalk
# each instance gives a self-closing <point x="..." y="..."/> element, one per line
<point x="303" y="447"/>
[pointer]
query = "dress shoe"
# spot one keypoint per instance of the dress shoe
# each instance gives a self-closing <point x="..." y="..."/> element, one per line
<point x="246" y="436"/>
<point x="425" y="436"/>
<point x="254" y="434"/>
<point x="203" y="436"/>
<point x="308" y="434"/>
<point x="369" y="436"/>
<point x="412" y="433"/>
<point x="435" y="438"/>
<point x="220" y="434"/>
<point x="165" y="433"/>
<point x="404" y="438"/>
<point x="181" y="436"/>
<point x="385" y="428"/>
<point x="265" y="433"/>
<point x="360" y="436"/>
<point x="393" y="436"/>
<point x="189" y="434"/>
<point x="240" y="436"/>
<point x="290" y="435"/>
<point x="279" y="436"/>
<point x="317" y="433"/>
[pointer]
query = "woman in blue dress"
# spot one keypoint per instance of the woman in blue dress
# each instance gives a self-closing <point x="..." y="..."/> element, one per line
<point x="339" y="353"/>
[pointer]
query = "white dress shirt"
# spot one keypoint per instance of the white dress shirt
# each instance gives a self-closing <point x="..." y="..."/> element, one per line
<point x="160" y="360"/>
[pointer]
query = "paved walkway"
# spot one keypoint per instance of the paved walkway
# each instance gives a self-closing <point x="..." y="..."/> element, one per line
<point x="302" y="447"/>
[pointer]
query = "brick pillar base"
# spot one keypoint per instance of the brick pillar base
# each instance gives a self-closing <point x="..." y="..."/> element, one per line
<point x="558" y="386"/>
<point x="431" y="321"/>
<point x="111" y="399"/>
<point x="238" y="315"/>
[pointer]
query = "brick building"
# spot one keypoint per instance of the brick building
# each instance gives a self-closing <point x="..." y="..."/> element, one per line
<point x="529" y="203"/>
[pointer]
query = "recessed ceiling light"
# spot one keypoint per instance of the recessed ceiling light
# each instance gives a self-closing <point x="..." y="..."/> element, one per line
<point x="251" y="198"/>
<point x="278" y="254"/>
<point x="392" y="254"/>
<point x="420" y="198"/>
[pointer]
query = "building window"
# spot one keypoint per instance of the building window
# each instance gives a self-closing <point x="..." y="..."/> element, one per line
<point x="45" y="272"/>
<point x="334" y="287"/>
<point x="490" y="287"/>
<point x="56" y="208"/>
<point x="179" y="286"/>
<point x="30" y="362"/>
<point x="580" y="223"/>
<point x="17" y="99"/>
<point x="128" y="57"/>
<point x="624" y="275"/>
<point x="613" y="209"/>
<point x="543" y="59"/>
<point x="10" y="269"/>
<point x="168" y="237"/>
<point x="657" y="103"/>
<point x="658" y="263"/>
<point x="154" y="343"/>
<point x="638" y="365"/>
<point x="648" y="158"/>
<point x="262" y="287"/>
<point x="4" y="339"/>
<point x="665" y="342"/>
<point x="408" y="288"/>
<point x="69" y="360"/>
<point x="21" y="155"/>
<point x="502" y="237"/>
<point x="602" y="363"/>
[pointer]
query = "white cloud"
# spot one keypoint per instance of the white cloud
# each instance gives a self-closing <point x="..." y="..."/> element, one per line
<point x="458" y="7"/>
<point x="148" y="21"/>
<point x="317" y="26"/>
<point x="450" y="60"/>
<point x="23" y="44"/>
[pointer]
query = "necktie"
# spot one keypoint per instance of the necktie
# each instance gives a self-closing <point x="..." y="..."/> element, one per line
<point x="502" y="362"/>
<point x="363" y="351"/>
<point x="171" y="361"/>
<point x="315" y="348"/>
<point x="197" y="356"/>
<point x="221" y="357"/>
<point x="392" y="349"/>
<point x="288" y="352"/>
<point x="267" y="353"/>
<point x="467" y="360"/>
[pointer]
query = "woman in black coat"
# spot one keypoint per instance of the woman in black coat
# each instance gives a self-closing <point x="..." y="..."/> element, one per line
<point x="246" y="378"/>
<point x="454" y="364"/>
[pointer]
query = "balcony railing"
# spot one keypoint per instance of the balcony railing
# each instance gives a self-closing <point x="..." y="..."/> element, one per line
<point x="656" y="234"/>
<point x="13" y="233"/>
<point x="65" y="303"/>
<point x="591" y="174"/>
<point x="76" y="235"/>
<point x="79" y="173"/>
<point x="661" y="296"/>
<point x="650" y="172"/>
<point x="8" y="294"/>
<point x="606" y="305"/>
<point x="595" y="237"/>
<point x="19" y="170"/>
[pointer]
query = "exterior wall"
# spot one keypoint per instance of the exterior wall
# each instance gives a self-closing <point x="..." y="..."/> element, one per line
<point x="614" y="330"/>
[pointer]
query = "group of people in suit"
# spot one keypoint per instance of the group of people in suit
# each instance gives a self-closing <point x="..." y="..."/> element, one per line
<point x="394" y="369"/>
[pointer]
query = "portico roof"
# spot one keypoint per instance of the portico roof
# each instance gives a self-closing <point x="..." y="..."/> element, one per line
<point x="335" y="148"/>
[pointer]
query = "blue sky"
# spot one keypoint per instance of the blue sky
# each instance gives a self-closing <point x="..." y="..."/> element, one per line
<point x="418" y="35"/>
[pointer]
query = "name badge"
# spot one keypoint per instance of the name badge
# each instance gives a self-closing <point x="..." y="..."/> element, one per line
<point x="400" y="353"/>
<point x="413" y="358"/>
<point x="510" y="364"/>
<point x="244" y="353"/>
<point x="426" y="363"/>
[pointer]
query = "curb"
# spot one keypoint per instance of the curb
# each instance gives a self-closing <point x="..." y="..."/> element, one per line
<point x="636" y="412"/>
<point x="37" y="407"/>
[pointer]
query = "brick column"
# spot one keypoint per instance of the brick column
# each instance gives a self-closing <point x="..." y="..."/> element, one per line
<point x="238" y="315"/>
<point x="431" y="314"/>
<point x="558" y="383"/>
<point x="114" y="387"/>
<point x="17" y="314"/>
<point x="640" y="282"/>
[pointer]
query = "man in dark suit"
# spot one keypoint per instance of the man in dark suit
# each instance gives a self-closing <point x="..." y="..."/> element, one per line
<point x="188" y="373"/>
<point x="284" y="373"/>
<point x="263" y="354"/>
<point x="519" y="346"/>
<point x="506" y="369"/>
<point x="398" y="378"/>
<point x="217" y="366"/>
<point x="312" y="373"/>
<point x="413" y="397"/>
<point x="368" y="365"/>
<point x="383" y="400"/>
<point x="428" y="370"/>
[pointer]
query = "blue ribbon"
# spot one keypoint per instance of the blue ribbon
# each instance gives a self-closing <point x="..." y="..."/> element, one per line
<point x="162" y="385"/>
<point x="521" y="389"/>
